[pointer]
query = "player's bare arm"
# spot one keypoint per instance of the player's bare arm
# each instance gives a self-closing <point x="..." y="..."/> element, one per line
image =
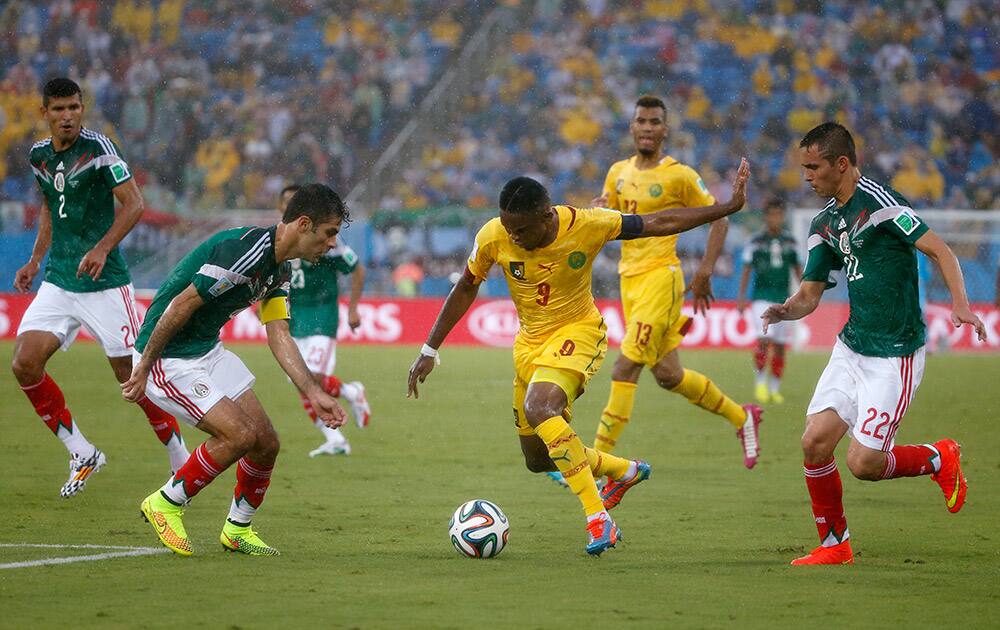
<point x="43" y="240"/>
<point x="127" y="214"/>
<point x="286" y="353"/>
<point x="357" y="285"/>
<point x="741" y="297"/>
<point x="677" y="220"/>
<point x="178" y="313"/>
<point x="462" y="295"/>
<point x="701" y="282"/>
<point x="805" y="301"/>
<point x="938" y="251"/>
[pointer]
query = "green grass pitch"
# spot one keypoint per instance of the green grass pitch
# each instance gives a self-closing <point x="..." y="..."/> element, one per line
<point x="706" y="542"/>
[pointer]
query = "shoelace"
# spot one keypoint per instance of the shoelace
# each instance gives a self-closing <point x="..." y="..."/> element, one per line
<point x="750" y="437"/>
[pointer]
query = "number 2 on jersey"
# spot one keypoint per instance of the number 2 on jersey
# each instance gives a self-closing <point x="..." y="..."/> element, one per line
<point x="62" y="205"/>
<point x="851" y="263"/>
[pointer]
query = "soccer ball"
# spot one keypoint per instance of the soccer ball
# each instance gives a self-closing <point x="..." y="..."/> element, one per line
<point x="478" y="529"/>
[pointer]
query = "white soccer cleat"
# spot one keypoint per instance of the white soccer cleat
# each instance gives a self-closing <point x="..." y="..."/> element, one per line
<point x="749" y="435"/>
<point x="331" y="448"/>
<point x="359" y="406"/>
<point x="80" y="469"/>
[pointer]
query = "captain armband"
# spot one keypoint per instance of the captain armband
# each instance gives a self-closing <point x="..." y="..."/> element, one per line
<point x="631" y="227"/>
<point x="274" y="308"/>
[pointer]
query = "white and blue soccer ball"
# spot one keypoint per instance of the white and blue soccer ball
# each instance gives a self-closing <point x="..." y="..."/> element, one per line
<point x="479" y="529"/>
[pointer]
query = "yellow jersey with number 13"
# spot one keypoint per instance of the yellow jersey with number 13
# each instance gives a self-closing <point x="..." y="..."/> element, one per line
<point x="550" y="286"/>
<point x="630" y="190"/>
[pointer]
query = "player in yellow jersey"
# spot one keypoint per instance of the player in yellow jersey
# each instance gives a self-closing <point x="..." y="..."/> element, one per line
<point x="652" y="285"/>
<point x="546" y="253"/>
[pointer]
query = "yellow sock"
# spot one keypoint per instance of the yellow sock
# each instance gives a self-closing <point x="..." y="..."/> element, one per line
<point x="702" y="392"/>
<point x="615" y="415"/>
<point x="569" y="455"/>
<point x="602" y="464"/>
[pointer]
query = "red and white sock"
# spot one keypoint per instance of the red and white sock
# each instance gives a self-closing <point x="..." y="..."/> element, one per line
<point x="196" y="473"/>
<point x="827" y="494"/>
<point x="331" y="385"/>
<point x="167" y="431"/>
<point x="759" y="357"/>
<point x="911" y="461"/>
<point x="50" y="405"/>
<point x="252" y="481"/>
<point x="307" y="405"/>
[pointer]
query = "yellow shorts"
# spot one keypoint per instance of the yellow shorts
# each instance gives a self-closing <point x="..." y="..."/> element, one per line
<point x="569" y="357"/>
<point x="652" y="304"/>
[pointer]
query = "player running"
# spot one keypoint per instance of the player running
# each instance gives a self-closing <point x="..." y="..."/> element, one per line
<point x="652" y="285"/>
<point x="546" y="253"/>
<point x="313" y="302"/>
<point x="868" y="230"/>
<point x="182" y="364"/>
<point x="770" y="256"/>
<point x="87" y="284"/>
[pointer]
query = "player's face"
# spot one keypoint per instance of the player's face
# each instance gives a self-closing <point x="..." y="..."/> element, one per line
<point x="774" y="218"/>
<point x="649" y="128"/>
<point x="316" y="238"/>
<point x="64" y="116"/>
<point x="824" y="177"/>
<point x="527" y="230"/>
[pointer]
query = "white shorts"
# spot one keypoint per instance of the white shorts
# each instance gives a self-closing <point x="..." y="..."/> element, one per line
<point x="778" y="332"/>
<point x="319" y="353"/>
<point x="109" y="316"/>
<point x="870" y="394"/>
<point x="189" y="388"/>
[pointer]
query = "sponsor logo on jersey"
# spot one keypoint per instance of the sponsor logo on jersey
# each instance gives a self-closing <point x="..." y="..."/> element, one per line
<point x="549" y="267"/>
<point x="517" y="269"/>
<point x="655" y="190"/>
<point x="845" y="242"/>
<point x="906" y="221"/>
<point x="221" y="286"/>
<point x="119" y="172"/>
<point x="577" y="260"/>
<point x="60" y="167"/>
<point x="701" y="184"/>
<point x="842" y="224"/>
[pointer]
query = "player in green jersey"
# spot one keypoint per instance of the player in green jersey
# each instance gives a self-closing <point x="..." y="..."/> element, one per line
<point x="313" y="301"/>
<point x="770" y="256"/>
<point x="181" y="364"/>
<point x="870" y="232"/>
<point x="80" y="174"/>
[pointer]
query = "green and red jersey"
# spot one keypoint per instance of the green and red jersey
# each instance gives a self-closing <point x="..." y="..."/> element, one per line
<point x="314" y="293"/>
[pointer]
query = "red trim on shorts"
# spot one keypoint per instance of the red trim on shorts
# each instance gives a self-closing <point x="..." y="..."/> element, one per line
<point x="129" y="310"/>
<point x="174" y="394"/>
<point x="329" y="352"/>
<point x="906" y="379"/>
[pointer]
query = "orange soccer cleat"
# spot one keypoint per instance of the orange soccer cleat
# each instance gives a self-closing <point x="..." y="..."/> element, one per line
<point x="838" y="554"/>
<point x="950" y="477"/>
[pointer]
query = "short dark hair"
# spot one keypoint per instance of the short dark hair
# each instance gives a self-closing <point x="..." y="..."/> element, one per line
<point x="318" y="202"/>
<point x="60" y="87"/>
<point x="523" y="195"/>
<point x="292" y="188"/>
<point x="649" y="100"/>
<point x="833" y="141"/>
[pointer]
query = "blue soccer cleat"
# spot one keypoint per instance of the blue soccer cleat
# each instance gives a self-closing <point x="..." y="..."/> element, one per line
<point x="613" y="492"/>
<point x="604" y="535"/>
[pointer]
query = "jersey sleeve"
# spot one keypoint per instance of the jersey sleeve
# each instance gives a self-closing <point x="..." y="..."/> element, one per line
<point x="821" y="261"/>
<point x="484" y="253"/>
<point x="344" y="259"/>
<point x="113" y="168"/>
<point x="603" y="224"/>
<point x="903" y="223"/>
<point x="695" y="191"/>
<point x="221" y="271"/>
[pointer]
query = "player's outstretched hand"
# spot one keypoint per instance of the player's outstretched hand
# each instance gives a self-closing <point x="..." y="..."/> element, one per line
<point x="774" y="314"/>
<point x="740" y="184"/>
<point x="327" y="408"/>
<point x="421" y="367"/>
<point x="600" y="202"/>
<point x="701" y="291"/>
<point x="964" y="315"/>
<point x="135" y="387"/>
<point x="353" y="318"/>
<point x="25" y="276"/>
<point x="92" y="264"/>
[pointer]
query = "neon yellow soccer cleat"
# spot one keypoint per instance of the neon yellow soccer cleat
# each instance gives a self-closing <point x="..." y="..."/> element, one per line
<point x="245" y="540"/>
<point x="761" y="393"/>
<point x="165" y="517"/>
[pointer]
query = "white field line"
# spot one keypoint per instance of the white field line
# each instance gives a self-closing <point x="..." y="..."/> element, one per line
<point x="119" y="552"/>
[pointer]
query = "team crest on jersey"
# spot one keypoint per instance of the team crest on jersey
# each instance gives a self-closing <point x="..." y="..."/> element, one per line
<point x="59" y="182"/>
<point x="655" y="190"/>
<point x="200" y="389"/>
<point x="845" y="242"/>
<point x="517" y="269"/>
<point x="577" y="260"/>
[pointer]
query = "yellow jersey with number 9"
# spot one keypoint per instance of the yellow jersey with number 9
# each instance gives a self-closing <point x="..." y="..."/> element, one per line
<point x="630" y="190"/>
<point x="550" y="286"/>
